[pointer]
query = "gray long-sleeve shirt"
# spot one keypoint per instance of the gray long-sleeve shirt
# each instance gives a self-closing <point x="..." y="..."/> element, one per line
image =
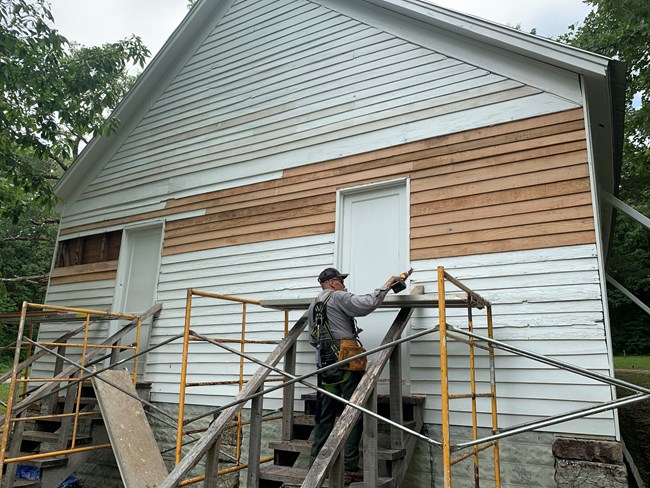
<point x="343" y="306"/>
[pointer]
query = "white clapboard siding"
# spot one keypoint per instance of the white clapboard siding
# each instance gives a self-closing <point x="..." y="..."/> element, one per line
<point x="99" y="296"/>
<point x="285" y="83"/>
<point x="269" y="270"/>
<point x="546" y="301"/>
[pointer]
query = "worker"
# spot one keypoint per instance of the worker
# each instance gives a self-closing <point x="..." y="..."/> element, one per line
<point x="331" y="318"/>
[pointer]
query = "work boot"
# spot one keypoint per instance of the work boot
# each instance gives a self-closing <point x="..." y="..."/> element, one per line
<point x="353" y="476"/>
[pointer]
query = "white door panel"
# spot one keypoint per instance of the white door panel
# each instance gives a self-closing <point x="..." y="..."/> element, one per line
<point x="373" y="239"/>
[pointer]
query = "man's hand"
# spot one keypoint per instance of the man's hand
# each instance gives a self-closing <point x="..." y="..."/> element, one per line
<point x="390" y="281"/>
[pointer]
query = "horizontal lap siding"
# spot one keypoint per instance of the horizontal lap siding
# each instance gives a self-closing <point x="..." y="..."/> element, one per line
<point x="84" y="273"/>
<point x="269" y="270"/>
<point x="93" y="293"/>
<point x="522" y="185"/>
<point x="280" y="84"/>
<point x="547" y="301"/>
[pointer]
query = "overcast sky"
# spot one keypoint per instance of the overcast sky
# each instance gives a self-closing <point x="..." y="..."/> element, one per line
<point x="92" y="22"/>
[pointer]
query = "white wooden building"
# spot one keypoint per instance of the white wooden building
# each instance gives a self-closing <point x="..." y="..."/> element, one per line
<point x="270" y="139"/>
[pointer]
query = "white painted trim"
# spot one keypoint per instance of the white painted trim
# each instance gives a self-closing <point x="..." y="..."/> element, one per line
<point x="122" y="271"/>
<point x="595" y="203"/>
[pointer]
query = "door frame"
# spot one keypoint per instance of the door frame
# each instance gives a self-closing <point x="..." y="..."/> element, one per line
<point x="343" y="192"/>
<point x="123" y="270"/>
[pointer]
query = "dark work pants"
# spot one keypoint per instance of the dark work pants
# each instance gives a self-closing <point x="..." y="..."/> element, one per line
<point x="335" y="381"/>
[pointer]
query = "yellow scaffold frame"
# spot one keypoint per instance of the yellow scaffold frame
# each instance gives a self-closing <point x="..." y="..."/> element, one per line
<point x="85" y="345"/>
<point x="188" y="337"/>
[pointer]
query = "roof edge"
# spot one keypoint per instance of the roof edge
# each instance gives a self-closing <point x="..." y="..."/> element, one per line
<point x="498" y="35"/>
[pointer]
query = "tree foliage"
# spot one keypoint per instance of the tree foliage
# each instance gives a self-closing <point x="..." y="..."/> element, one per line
<point x="56" y="95"/>
<point x="621" y="29"/>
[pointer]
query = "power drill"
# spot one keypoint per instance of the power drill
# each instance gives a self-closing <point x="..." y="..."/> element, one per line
<point x="400" y="284"/>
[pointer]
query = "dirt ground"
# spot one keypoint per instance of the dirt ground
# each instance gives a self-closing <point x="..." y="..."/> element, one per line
<point x="635" y="423"/>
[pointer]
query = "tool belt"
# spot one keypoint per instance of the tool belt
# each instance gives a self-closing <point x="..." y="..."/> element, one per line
<point x="349" y="348"/>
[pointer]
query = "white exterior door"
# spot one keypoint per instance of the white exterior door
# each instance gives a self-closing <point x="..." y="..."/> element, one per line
<point x="137" y="280"/>
<point x="373" y="244"/>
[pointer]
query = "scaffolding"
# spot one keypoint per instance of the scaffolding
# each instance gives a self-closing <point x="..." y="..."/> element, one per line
<point x="451" y="294"/>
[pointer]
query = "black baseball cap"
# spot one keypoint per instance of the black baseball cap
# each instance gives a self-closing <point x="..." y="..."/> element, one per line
<point x="329" y="274"/>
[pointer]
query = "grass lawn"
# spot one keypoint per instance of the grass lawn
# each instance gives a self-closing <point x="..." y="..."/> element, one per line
<point x="632" y="362"/>
<point x="4" y="394"/>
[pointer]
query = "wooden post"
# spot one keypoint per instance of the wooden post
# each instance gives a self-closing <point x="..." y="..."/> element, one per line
<point x="288" y="395"/>
<point x="370" y="468"/>
<point x="255" y="441"/>
<point x="212" y="465"/>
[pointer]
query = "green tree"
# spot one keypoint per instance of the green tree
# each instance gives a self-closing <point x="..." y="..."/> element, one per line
<point x="621" y="29"/>
<point x="56" y="96"/>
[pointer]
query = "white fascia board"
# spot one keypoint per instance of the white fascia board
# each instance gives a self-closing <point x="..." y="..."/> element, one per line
<point x="171" y="58"/>
<point x="503" y="37"/>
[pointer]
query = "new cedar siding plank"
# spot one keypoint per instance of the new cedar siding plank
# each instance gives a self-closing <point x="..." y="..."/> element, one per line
<point x="418" y="151"/>
<point x="513" y="187"/>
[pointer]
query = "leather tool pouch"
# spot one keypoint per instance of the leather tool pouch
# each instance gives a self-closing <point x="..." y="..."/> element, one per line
<point x="349" y="348"/>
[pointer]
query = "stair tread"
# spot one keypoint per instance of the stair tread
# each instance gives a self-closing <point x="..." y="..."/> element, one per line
<point x="292" y="475"/>
<point x="301" y="445"/>
<point x="44" y="463"/>
<point x="23" y="483"/>
<point x="43" y="436"/>
<point x="308" y="420"/>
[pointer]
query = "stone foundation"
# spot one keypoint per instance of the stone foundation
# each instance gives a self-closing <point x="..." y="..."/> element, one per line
<point x="532" y="459"/>
<point x="589" y="462"/>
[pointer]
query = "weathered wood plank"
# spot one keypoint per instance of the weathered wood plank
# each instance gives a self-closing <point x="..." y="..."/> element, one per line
<point x="501" y="209"/>
<point x="138" y="458"/>
<point x="571" y="238"/>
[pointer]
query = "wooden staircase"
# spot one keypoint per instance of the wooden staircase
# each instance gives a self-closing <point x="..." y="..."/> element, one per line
<point x="57" y="426"/>
<point x="286" y="471"/>
<point x="36" y="435"/>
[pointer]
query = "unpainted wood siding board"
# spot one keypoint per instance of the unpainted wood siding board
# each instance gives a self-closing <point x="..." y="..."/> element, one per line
<point x="454" y="217"/>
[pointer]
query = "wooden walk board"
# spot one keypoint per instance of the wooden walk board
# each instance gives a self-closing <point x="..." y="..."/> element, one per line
<point x="295" y="476"/>
<point x="136" y="452"/>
